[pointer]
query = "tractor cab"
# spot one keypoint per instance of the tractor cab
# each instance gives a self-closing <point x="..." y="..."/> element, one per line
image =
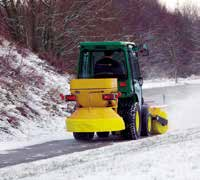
<point x="112" y="60"/>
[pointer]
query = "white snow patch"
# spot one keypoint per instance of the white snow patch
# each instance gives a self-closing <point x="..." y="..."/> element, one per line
<point x="158" y="83"/>
<point x="171" y="156"/>
<point x="182" y="100"/>
<point x="34" y="106"/>
<point x="184" y="112"/>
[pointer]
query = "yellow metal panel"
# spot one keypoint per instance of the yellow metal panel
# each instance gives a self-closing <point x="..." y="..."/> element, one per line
<point x="89" y="91"/>
<point x="89" y="98"/>
<point x="94" y="120"/>
<point x="110" y="83"/>
<point x="137" y="121"/>
<point x="157" y="127"/>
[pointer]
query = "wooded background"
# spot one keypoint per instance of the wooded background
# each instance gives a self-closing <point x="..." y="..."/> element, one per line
<point x="54" y="28"/>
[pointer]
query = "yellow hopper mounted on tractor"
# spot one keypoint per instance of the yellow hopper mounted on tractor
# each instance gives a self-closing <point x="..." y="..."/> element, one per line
<point x="108" y="94"/>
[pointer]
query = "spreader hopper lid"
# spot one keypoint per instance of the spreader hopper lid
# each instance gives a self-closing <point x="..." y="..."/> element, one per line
<point x="84" y="84"/>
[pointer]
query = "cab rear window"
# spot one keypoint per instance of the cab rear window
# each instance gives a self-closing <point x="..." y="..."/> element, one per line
<point x="103" y="64"/>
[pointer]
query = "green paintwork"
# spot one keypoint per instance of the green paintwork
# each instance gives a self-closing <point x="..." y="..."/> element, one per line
<point x="131" y="88"/>
<point x="105" y="43"/>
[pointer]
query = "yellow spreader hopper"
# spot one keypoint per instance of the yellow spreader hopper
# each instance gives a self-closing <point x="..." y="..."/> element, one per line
<point x="97" y="101"/>
<point x="97" y="119"/>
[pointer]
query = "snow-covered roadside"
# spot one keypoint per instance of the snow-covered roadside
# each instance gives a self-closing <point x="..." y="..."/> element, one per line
<point x="158" y="83"/>
<point x="174" y="155"/>
<point x="31" y="111"/>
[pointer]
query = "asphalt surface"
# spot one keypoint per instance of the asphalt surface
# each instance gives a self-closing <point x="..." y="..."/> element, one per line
<point x="46" y="150"/>
<point x="50" y="149"/>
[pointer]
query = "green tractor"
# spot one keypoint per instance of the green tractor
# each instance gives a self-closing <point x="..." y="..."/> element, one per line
<point x="108" y="92"/>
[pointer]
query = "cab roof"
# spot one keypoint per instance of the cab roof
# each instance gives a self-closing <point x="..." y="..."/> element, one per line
<point x="105" y="43"/>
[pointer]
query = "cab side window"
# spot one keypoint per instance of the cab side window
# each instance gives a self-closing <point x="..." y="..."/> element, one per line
<point x="85" y="69"/>
<point x="134" y="63"/>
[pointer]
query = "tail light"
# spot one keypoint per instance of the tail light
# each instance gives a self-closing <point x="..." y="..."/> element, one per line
<point x="70" y="98"/>
<point x="62" y="96"/>
<point x="109" y="97"/>
<point x="122" y="84"/>
<point x="119" y="94"/>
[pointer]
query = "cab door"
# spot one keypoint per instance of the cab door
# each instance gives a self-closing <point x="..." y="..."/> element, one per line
<point x="135" y="73"/>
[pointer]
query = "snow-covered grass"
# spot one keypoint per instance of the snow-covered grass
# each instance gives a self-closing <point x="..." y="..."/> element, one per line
<point x="30" y="107"/>
<point x="171" y="156"/>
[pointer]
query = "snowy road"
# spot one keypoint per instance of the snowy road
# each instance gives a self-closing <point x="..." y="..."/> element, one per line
<point x="183" y="109"/>
<point x="50" y="149"/>
<point x="171" y="156"/>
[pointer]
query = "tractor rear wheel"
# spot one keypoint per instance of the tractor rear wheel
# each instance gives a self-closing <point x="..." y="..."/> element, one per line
<point x="131" y="115"/>
<point x="103" y="134"/>
<point x="146" y="121"/>
<point x="83" y="136"/>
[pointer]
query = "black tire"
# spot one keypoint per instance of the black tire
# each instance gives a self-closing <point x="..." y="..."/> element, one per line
<point x="103" y="134"/>
<point x="146" y="122"/>
<point x="142" y="101"/>
<point x="114" y="133"/>
<point x="83" y="136"/>
<point x="129" y="111"/>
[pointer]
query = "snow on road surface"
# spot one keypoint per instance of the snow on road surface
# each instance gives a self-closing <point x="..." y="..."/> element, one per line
<point x="171" y="156"/>
<point x="183" y="103"/>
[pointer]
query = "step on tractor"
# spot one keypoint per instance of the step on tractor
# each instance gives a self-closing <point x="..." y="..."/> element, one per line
<point x="108" y="94"/>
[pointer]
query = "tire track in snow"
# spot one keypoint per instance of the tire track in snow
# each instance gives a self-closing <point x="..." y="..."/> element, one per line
<point x="97" y="155"/>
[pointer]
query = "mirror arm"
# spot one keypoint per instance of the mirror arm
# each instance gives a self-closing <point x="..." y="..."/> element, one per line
<point x="140" y="80"/>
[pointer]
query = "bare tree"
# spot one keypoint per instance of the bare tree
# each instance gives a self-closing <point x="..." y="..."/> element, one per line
<point x="53" y="28"/>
